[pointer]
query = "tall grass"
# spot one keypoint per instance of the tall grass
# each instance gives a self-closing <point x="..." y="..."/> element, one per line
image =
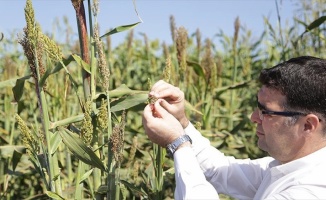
<point x="71" y="113"/>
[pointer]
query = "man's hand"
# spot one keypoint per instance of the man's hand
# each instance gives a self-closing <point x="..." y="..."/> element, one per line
<point x="174" y="100"/>
<point x="160" y="126"/>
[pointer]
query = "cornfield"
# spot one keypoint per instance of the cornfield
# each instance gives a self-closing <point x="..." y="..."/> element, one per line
<point x="71" y="126"/>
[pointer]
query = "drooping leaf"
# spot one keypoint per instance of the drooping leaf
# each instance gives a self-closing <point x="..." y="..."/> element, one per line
<point x="311" y="26"/>
<point x="79" y="149"/>
<point x="81" y="63"/>
<point x="58" y="67"/>
<point x="18" y="89"/>
<point x="15" y="159"/>
<point x="120" y="29"/>
<point x="316" y="23"/>
<point x="197" y="68"/>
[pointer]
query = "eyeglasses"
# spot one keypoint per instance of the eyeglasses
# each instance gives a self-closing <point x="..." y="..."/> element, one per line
<point x="262" y="111"/>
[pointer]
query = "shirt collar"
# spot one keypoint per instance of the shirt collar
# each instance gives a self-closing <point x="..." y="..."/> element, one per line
<point x="304" y="162"/>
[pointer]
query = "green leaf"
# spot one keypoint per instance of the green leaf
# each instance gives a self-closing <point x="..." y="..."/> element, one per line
<point x="136" y="190"/>
<point x="54" y="195"/>
<point x="82" y="63"/>
<point x="316" y="23"/>
<point x="121" y="91"/>
<point x="8" y="83"/>
<point x="8" y="150"/>
<point x="128" y="102"/>
<point x="18" y="89"/>
<point x="55" y="142"/>
<point x="120" y="29"/>
<point x="57" y="68"/>
<point x="129" y="98"/>
<point x="192" y="108"/>
<point x="67" y="121"/>
<point x="220" y="90"/>
<point x="103" y="189"/>
<point x="15" y="159"/>
<point x="85" y="176"/>
<point x="79" y="149"/>
<point x="197" y="68"/>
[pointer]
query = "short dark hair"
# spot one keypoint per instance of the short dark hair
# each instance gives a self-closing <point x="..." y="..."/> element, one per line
<point x="302" y="80"/>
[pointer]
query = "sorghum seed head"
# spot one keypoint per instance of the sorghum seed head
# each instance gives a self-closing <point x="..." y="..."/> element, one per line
<point x="102" y="65"/>
<point x="28" y="138"/>
<point x="87" y="126"/>
<point x="103" y="115"/>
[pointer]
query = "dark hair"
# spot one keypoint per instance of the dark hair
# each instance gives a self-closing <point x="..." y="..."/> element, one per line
<point x="302" y="80"/>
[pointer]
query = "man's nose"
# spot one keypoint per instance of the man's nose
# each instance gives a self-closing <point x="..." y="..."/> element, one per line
<point x="255" y="117"/>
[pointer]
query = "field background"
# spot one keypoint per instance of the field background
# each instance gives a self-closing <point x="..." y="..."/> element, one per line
<point x="70" y="125"/>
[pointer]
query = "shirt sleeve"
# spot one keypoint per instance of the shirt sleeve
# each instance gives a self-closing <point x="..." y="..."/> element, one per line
<point x="239" y="178"/>
<point x="300" y="192"/>
<point x="190" y="180"/>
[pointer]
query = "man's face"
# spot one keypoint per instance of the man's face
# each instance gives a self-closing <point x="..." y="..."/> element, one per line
<point x="276" y="134"/>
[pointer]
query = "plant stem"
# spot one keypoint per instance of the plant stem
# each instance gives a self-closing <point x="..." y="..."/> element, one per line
<point x="82" y="31"/>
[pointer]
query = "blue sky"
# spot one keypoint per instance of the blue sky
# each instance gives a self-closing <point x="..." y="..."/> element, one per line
<point x="210" y="16"/>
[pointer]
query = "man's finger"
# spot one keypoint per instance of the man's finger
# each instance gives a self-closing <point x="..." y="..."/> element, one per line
<point x="166" y="105"/>
<point x="160" y="111"/>
<point x="148" y="113"/>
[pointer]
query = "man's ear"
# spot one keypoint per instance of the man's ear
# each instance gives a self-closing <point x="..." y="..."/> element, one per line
<point x="311" y="123"/>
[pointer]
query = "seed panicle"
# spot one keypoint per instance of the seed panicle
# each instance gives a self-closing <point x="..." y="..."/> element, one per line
<point x="29" y="140"/>
<point x="86" y="130"/>
<point x="102" y="65"/>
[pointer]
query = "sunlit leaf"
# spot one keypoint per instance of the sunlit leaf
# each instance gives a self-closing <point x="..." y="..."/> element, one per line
<point x="85" y="176"/>
<point x="82" y="63"/>
<point x="55" y="142"/>
<point x="79" y="149"/>
<point x="121" y="91"/>
<point x="7" y="151"/>
<point x="67" y="121"/>
<point x="58" y="67"/>
<point x="8" y="83"/>
<point x="120" y="29"/>
<point x="128" y="102"/>
<point x="190" y="107"/>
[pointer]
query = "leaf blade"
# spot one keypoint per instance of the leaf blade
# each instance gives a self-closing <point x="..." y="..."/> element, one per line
<point x="80" y="150"/>
<point x="120" y="29"/>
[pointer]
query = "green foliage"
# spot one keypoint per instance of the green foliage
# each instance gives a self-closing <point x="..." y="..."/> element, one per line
<point x="219" y="84"/>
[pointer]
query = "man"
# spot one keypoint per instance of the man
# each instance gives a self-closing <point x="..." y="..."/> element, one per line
<point x="290" y="120"/>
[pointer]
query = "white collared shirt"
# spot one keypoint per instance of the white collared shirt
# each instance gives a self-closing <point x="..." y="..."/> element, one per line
<point x="202" y="172"/>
